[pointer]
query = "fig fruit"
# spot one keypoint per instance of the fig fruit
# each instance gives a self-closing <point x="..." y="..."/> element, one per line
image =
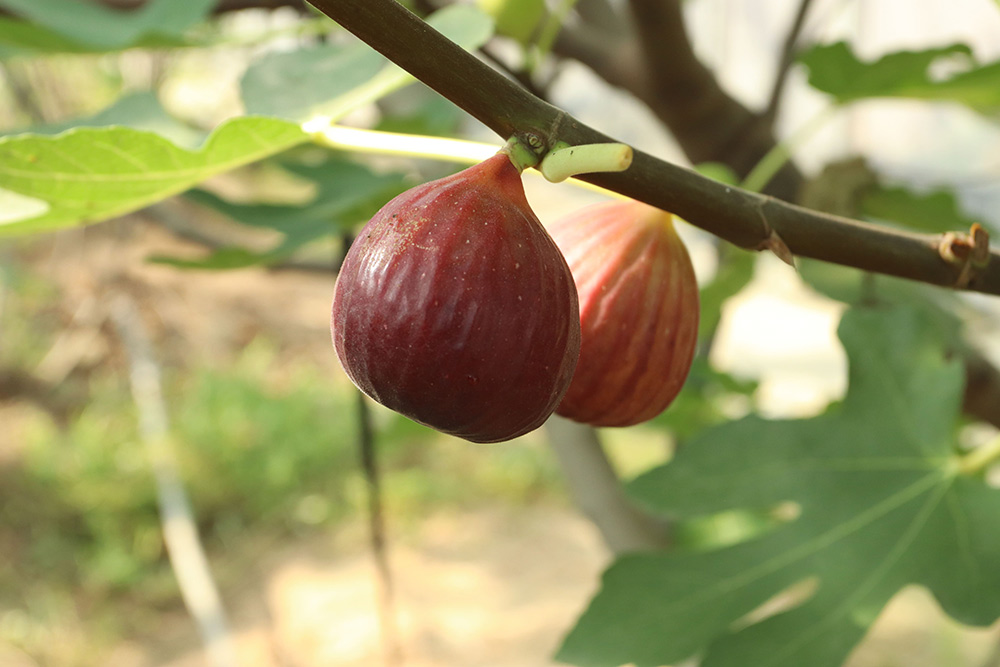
<point x="638" y="312"/>
<point x="455" y="308"/>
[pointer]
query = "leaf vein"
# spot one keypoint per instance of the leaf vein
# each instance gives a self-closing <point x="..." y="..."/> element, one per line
<point x="124" y="155"/>
<point x="963" y="533"/>
<point x="866" y="585"/>
<point x="806" y="549"/>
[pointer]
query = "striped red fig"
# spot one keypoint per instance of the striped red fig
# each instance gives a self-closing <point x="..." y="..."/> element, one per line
<point x="638" y="312"/>
<point x="455" y="308"/>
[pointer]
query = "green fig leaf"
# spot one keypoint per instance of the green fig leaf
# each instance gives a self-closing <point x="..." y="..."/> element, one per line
<point x="836" y="70"/>
<point x="433" y="116"/>
<point x="518" y="19"/>
<point x="880" y="502"/>
<point x="332" y="80"/>
<point x="56" y="25"/>
<point x="20" y="37"/>
<point x="87" y="175"/>
<point x="706" y="400"/>
<point x="310" y="81"/>
<point x="140" y="111"/>
<point x="718" y="171"/>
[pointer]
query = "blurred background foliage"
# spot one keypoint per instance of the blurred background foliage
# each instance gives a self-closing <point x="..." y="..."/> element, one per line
<point x="263" y="425"/>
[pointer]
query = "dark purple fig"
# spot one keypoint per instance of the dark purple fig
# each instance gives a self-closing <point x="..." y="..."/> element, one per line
<point x="455" y="308"/>
<point x="638" y="312"/>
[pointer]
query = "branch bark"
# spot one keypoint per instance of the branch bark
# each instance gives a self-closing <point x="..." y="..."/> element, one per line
<point x="743" y="218"/>
<point x="221" y="6"/>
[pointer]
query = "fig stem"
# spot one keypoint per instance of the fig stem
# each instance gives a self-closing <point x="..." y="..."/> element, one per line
<point x="564" y="160"/>
<point x="523" y="153"/>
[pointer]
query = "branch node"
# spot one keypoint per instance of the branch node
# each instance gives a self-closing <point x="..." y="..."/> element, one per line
<point x="771" y="240"/>
<point x="777" y="245"/>
<point x="968" y="253"/>
<point x="535" y="142"/>
<point x="554" y="128"/>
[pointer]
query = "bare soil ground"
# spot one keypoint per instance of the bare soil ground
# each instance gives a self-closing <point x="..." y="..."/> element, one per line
<point x="493" y="588"/>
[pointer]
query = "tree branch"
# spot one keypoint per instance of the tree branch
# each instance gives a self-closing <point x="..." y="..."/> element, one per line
<point x="614" y="59"/>
<point x="708" y="124"/>
<point x="389" y="628"/>
<point x="785" y="63"/>
<point x="712" y="126"/>
<point x="221" y="6"/>
<point x="743" y="218"/>
<point x="595" y="489"/>
<point x="602" y="13"/>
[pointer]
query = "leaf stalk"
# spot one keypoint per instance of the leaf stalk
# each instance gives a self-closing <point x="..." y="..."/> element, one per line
<point x="980" y="458"/>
